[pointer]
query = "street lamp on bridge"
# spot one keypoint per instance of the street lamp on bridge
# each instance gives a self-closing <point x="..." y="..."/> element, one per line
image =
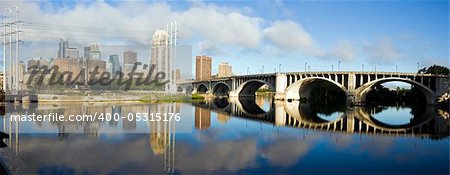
<point x="305" y="65"/>
<point x="339" y="65"/>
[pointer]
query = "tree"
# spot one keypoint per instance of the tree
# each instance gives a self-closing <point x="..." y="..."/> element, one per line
<point x="435" y="69"/>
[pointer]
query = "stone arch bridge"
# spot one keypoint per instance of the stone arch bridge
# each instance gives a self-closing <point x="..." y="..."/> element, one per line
<point x="292" y="86"/>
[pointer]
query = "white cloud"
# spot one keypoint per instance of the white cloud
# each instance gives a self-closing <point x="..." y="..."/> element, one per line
<point x="221" y="27"/>
<point x="288" y="35"/>
<point x="134" y="22"/>
<point x="383" y="49"/>
<point x="209" y="48"/>
<point x="209" y="28"/>
<point x="344" y="50"/>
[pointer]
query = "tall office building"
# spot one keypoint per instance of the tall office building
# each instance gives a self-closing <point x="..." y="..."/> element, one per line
<point x="68" y="65"/>
<point x="87" y="51"/>
<point x="65" y="51"/>
<point x="115" y="64"/>
<point x="160" y="50"/>
<point x="63" y="45"/>
<point x="21" y="71"/>
<point x="129" y="57"/>
<point x="224" y="70"/>
<point x="72" y="53"/>
<point x="203" y="67"/>
<point x="163" y="54"/>
<point x="95" y="53"/>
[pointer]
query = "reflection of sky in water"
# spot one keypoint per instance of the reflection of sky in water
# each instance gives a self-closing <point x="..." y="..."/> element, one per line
<point x="331" y="117"/>
<point x="394" y="116"/>
<point x="236" y="145"/>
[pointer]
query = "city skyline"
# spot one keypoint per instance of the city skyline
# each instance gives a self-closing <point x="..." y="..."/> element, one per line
<point x="354" y="35"/>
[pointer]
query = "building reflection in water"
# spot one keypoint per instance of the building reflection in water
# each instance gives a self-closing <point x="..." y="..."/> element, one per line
<point x="202" y="118"/>
<point x="162" y="135"/>
<point x="223" y="117"/>
<point x="115" y="110"/>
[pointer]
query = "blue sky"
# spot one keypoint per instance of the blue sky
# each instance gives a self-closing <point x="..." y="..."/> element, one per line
<point x="250" y="34"/>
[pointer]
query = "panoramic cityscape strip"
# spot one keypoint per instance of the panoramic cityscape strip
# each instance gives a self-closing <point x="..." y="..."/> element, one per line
<point x="224" y="87"/>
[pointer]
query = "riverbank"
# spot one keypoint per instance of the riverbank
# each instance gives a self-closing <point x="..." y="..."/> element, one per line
<point x="170" y="98"/>
<point x="121" y="97"/>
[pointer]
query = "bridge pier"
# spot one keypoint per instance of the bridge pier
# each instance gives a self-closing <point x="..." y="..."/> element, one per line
<point x="280" y="113"/>
<point x="233" y="93"/>
<point x="280" y="86"/>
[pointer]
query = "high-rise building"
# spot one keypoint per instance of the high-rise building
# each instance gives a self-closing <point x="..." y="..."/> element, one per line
<point x="203" y="67"/>
<point x="92" y="64"/>
<point x="95" y="53"/>
<point x="65" y="51"/>
<point x="87" y="51"/>
<point x="63" y="45"/>
<point x="68" y="65"/>
<point x="108" y="67"/>
<point x="129" y="57"/>
<point x="115" y="64"/>
<point x="72" y="53"/>
<point x="177" y="75"/>
<point x="21" y="71"/>
<point x="162" y="57"/>
<point x="224" y="70"/>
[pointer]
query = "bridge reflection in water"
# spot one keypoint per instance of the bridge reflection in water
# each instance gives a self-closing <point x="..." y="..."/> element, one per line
<point x="356" y="119"/>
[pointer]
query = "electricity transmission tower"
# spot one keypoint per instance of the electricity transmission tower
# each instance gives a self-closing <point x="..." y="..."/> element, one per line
<point x="11" y="42"/>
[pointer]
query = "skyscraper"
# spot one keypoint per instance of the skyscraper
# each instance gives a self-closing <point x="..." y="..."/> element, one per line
<point x="63" y="45"/>
<point x="115" y="64"/>
<point x="160" y="51"/>
<point x="95" y="53"/>
<point x="129" y="58"/>
<point x="163" y="54"/>
<point x="203" y="67"/>
<point x="72" y="53"/>
<point x="224" y="70"/>
<point x="65" y="51"/>
<point x="87" y="51"/>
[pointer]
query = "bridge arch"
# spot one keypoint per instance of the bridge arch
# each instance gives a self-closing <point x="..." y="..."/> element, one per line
<point x="189" y="89"/>
<point x="362" y="91"/>
<point x="186" y="89"/>
<point x="303" y="112"/>
<point x="180" y="89"/>
<point x="303" y="87"/>
<point x="220" y="103"/>
<point x="250" y="87"/>
<point x="221" y="89"/>
<point x="202" y="88"/>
